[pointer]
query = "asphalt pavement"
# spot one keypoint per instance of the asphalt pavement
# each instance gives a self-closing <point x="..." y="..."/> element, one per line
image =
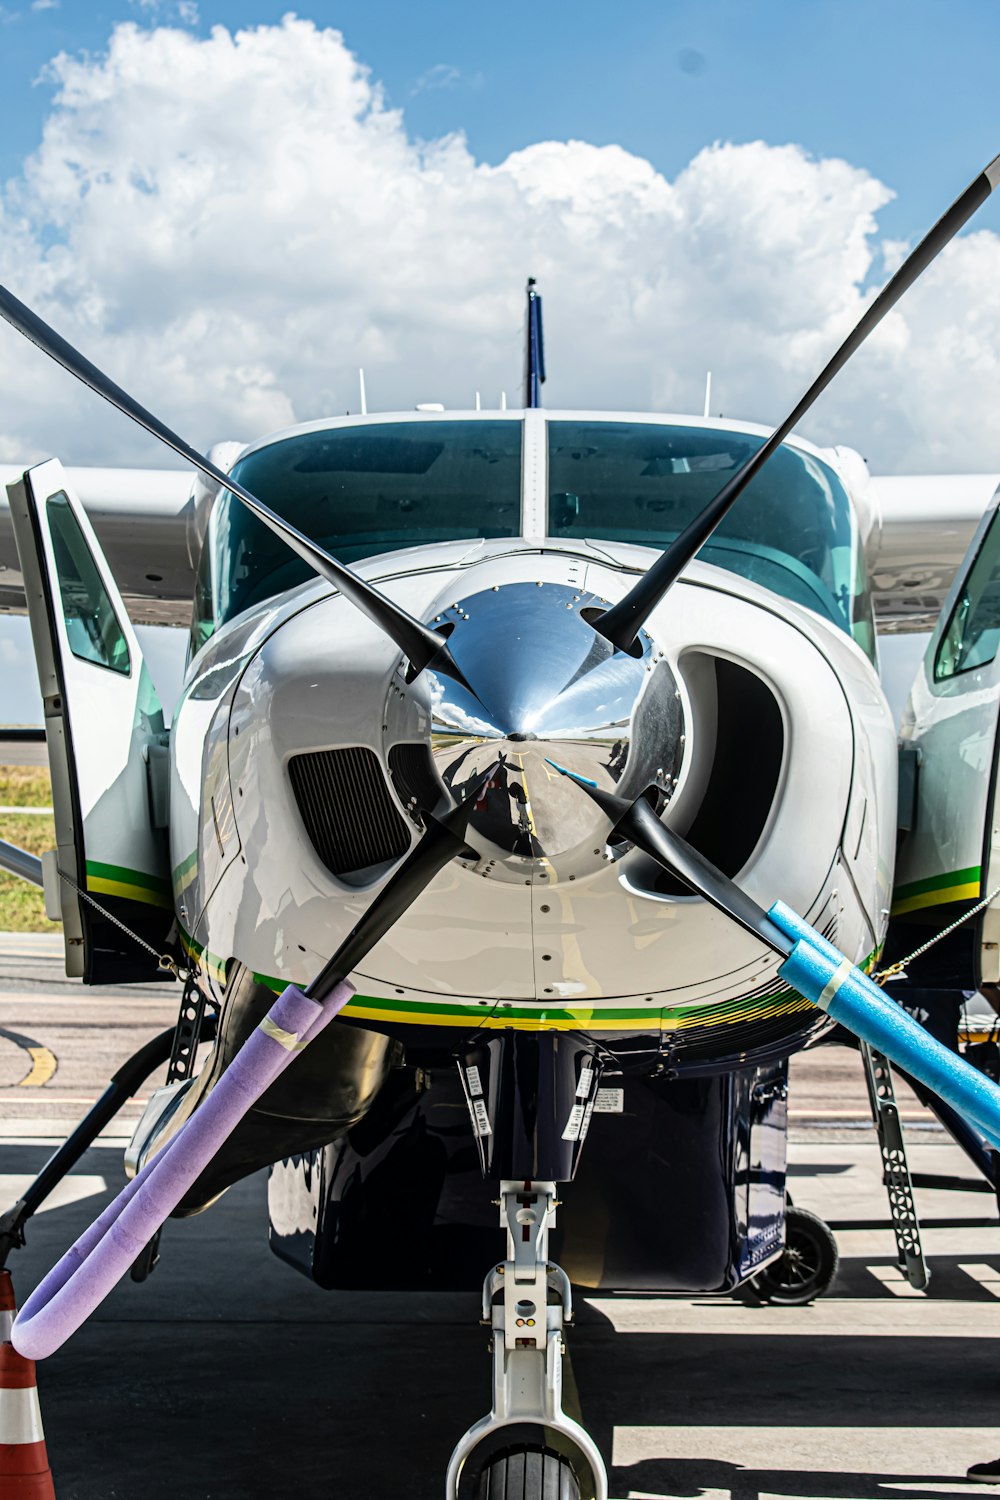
<point x="226" y="1374"/>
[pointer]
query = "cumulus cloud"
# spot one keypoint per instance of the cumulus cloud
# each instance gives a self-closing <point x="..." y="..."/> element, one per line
<point x="230" y="225"/>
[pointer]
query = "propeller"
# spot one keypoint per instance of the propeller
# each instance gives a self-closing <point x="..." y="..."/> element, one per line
<point x="622" y="622"/>
<point x="418" y="642"/>
<point x="85" y="1275"/>
<point x="637" y="822"/>
<point x="812" y="965"/>
<point x="442" y="840"/>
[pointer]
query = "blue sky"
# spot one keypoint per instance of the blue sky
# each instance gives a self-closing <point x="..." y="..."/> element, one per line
<point x="905" y="88"/>
<point x="659" y="257"/>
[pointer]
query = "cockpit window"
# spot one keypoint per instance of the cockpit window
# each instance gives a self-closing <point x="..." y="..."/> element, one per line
<point x="358" y="492"/>
<point x="972" y="636"/>
<point x="792" y="530"/>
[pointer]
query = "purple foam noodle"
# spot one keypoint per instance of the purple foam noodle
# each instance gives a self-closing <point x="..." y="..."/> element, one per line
<point x="99" y="1259"/>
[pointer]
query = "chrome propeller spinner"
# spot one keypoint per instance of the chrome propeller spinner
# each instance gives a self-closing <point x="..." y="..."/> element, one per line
<point x="540" y="685"/>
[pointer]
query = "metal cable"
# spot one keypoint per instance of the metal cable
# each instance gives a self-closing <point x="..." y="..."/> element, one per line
<point x="163" y="960"/>
<point x="896" y="969"/>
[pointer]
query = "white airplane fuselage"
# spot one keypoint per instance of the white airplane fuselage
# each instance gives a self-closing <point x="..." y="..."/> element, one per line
<point x="783" y="748"/>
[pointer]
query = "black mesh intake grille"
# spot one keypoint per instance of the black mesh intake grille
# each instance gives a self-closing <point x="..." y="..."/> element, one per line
<point x="414" y="777"/>
<point x="346" y="807"/>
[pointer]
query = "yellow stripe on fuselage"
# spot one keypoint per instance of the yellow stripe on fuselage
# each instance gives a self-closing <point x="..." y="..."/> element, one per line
<point x="967" y="892"/>
<point x="100" y="885"/>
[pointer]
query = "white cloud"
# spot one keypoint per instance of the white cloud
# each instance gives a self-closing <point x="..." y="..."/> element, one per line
<point x="164" y="11"/>
<point x="440" y="76"/>
<point x="231" y="225"/>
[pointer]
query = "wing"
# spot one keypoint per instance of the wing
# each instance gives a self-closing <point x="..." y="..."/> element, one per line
<point x="146" y="523"/>
<point x="922" y="527"/>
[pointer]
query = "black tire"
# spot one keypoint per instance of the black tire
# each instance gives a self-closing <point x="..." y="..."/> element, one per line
<point x="527" y="1472"/>
<point x="806" y="1268"/>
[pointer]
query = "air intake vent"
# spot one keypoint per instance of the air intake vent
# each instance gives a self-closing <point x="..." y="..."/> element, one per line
<point x="346" y="807"/>
<point x="417" y="783"/>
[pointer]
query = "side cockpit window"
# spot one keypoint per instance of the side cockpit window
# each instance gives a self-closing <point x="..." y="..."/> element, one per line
<point x="93" y="629"/>
<point x="972" y="635"/>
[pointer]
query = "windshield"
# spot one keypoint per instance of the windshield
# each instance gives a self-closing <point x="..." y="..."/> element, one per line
<point x="792" y="530"/>
<point x="358" y="492"/>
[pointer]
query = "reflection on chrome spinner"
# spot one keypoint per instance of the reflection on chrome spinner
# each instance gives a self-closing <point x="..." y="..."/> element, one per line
<point x="543" y="686"/>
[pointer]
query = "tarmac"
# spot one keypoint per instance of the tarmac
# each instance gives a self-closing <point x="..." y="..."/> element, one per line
<point x="228" y="1375"/>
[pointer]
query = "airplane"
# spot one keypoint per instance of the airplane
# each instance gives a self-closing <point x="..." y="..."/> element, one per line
<point x="501" y="734"/>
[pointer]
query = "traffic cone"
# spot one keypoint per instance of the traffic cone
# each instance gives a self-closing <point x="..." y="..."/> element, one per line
<point x="24" y="1464"/>
<point x="8" y="1307"/>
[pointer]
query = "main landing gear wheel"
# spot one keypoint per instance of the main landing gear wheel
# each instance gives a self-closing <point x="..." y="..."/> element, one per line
<point x="806" y="1268"/>
<point x="527" y="1473"/>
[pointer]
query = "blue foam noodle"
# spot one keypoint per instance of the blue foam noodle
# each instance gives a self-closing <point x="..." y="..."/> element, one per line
<point x="795" y="927"/>
<point x="819" y="972"/>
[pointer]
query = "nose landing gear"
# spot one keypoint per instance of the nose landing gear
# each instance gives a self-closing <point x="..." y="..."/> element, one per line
<point x="527" y="1302"/>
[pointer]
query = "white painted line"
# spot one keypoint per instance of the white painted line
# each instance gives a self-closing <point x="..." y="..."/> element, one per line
<point x="986" y="1276"/>
<point x="35" y="943"/>
<point x="58" y="1127"/>
<point x="893" y="1280"/>
<point x="28" y="812"/>
<point x="105" y="1140"/>
<point x="795" y="1453"/>
<point x="77" y="997"/>
<point x="831" y="1317"/>
<point x="56" y="1100"/>
<point x="72" y="1189"/>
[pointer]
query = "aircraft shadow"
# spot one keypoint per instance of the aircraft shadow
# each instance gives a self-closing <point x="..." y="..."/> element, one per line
<point x="686" y="1478"/>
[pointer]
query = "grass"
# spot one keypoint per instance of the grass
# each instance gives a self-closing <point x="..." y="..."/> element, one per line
<point x="22" y="906"/>
<point x="25" y="786"/>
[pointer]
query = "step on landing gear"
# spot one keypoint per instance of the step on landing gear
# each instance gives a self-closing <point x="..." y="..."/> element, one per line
<point x="527" y="1446"/>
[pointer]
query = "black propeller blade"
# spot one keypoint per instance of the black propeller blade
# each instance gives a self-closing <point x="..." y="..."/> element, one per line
<point x="639" y="824"/>
<point x="820" y="972"/>
<point x="418" y="642"/>
<point x="622" y="622"/>
<point x="444" y="837"/>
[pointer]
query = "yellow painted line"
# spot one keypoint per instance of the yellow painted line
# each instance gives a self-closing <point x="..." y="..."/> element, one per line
<point x="43" y="1062"/>
<point x="527" y="797"/>
<point x="43" y="1067"/>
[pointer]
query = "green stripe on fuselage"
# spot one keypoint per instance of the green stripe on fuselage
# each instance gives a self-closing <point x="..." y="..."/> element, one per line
<point x="936" y="890"/>
<point x="131" y="885"/>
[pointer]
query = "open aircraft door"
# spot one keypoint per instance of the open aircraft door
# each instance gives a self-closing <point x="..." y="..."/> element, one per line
<point x="949" y="856"/>
<point x="106" y="740"/>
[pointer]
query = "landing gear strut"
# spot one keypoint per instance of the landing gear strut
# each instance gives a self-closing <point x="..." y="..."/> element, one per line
<point x="527" y="1302"/>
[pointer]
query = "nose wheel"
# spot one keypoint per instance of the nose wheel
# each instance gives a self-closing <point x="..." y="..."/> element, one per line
<point x="806" y="1267"/>
<point x="527" y="1473"/>
<point x="527" y="1305"/>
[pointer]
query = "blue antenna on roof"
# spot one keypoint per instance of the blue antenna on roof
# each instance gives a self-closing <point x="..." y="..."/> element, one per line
<point x="534" y="350"/>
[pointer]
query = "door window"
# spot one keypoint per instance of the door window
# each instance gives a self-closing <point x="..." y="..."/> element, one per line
<point x="92" y="627"/>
